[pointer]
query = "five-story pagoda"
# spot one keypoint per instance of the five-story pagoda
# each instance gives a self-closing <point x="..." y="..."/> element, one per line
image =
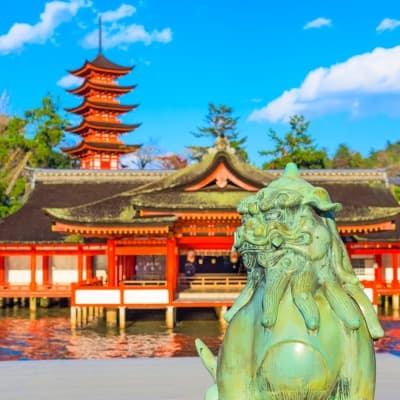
<point x="100" y="128"/>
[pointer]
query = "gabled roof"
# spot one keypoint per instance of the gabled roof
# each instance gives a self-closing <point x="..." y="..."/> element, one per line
<point x="221" y="180"/>
<point x="172" y="193"/>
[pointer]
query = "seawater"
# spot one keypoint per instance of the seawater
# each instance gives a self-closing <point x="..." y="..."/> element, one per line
<point x="47" y="334"/>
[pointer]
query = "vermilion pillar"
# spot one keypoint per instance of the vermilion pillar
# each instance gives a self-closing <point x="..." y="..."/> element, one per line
<point x="33" y="283"/>
<point x="80" y="265"/>
<point x="378" y="269"/>
<point x="395" y="264"/>
<point x="2" y="271"/>
<point x="46" y="271"/>
<point x="88" y="265"/>
<point x="171" y="267"/>
<point x="111" y="264"/>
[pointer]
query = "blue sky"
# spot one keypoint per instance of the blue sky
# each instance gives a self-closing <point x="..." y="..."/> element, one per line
<point x="335" y="62"/>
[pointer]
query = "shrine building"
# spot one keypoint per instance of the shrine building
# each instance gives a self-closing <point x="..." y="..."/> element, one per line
<point x="111" y="238"/>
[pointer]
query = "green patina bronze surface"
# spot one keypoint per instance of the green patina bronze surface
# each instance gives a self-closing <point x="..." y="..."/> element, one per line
<point x="302" y="328"/>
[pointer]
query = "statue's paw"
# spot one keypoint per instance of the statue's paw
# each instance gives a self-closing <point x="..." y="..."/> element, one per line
<point x="312" y="323"/>
<point x="353" y="324"/>
<point x="207" y="357"/>
<point x="212" y="393"/>
<point x="268" y="320"/>
<point x="376" y="332"/>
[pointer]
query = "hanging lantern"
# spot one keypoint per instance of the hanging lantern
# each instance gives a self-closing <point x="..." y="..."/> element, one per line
<point x="234" y="257"/>
<point x="191" y="256"/>
<point x="213" y="260"/>
<point x="200" y="261"/>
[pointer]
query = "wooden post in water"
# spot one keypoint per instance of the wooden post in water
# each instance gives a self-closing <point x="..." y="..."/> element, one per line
<point x="90" y="315"/>
<point x="84" y="316"/>
<point x="122" y="318"/>
<point x="111" y="317"/>
<point x="170" y="317"/>
<point x="73" y="317"/>
<point x="395" y="302"/>
<point x="32" y="304"/>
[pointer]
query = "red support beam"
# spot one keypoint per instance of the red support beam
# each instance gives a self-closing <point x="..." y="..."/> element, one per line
<point x="2" y="271"/>
<point x="88" y="267"/>
<point x="33" y="283"/>
<point x="395" y="265"/>
<point x="171" y="268"/>
<point x="111" y="263"/>
<point x="80" y="265"/>
<point x="46" y="271"/>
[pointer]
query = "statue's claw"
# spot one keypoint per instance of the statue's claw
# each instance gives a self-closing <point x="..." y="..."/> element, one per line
<point x="371" y="318"/>
<point x="342" y="305"/>
<point x="303" y="296"/>
<point x="245" y="295"/>
<point x="208" y="358"/>
<point x="276" y="283"/>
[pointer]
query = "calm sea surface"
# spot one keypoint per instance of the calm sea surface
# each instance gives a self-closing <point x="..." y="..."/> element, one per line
<point x="48" y="335"/>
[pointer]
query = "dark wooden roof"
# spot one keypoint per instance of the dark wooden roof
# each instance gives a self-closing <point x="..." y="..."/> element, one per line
<point x="366" y="198"/>
<point x="140" y="197"/>
<point x="60" y="188"/>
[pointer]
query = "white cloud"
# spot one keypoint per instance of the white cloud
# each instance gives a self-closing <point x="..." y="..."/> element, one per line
<point x="120" y="35"/>
<point x="318" y="23"/>
<point x="54" y="14"/>
<point x="365" y="83"/>
<point x="125" y="10"/>
<point x="388" y="24"/>
<point x="68" y="81"/>
<point x="4" y="102"/>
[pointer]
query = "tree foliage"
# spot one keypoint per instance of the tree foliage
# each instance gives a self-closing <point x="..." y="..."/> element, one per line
<point x="219" y="123"/>
<point x="295" y="146"/>
<point x="346" y="158"/>
<point x="32" y="141"/>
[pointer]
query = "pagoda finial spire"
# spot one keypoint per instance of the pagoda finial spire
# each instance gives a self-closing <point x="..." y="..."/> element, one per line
<point x="100" y="36"/>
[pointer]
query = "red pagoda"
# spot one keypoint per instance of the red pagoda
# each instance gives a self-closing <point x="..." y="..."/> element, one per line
<point x="100" y="127"/>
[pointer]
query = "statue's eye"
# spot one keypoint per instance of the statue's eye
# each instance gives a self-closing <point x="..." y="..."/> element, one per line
<point x="273" y="215"/>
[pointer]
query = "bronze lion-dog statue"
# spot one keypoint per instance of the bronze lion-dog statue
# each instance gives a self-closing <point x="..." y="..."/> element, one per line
<point x="302" y="328"/>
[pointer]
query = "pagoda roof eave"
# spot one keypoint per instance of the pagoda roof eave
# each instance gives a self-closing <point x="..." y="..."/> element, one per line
<point x="87" y="84"/>
<point x="87" y="104"/>
<point x="101" y="64"/>
<point x="85" y="124"/>
<point x="101" y="147"/>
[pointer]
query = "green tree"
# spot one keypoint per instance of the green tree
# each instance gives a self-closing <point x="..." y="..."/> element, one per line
<point x="345" y="158"/>
<point x="47" y="125"/>
<point x="295" y="146"/>
<point x="219" y="123"/>
<point x="30" y="140"/>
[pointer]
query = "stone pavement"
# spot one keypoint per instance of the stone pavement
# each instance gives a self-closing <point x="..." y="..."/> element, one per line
<point x="136" y="379"/>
